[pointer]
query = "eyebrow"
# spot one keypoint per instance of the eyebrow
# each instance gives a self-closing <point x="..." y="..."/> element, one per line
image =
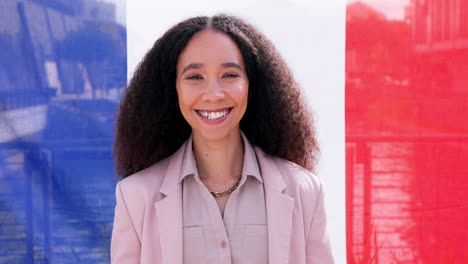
<point x="192" y="66"/>
<point x="231" y="64"/>
<point x="200" y="65"/>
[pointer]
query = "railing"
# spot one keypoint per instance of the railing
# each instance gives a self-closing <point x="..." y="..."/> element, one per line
<point x="384" y="195"/>
<point x="36" y="194"/>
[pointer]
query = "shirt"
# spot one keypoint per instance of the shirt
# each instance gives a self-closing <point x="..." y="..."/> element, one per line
<point x="242" y="236"/>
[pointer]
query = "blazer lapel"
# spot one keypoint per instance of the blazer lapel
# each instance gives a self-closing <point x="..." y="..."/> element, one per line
<point x="169" y="212"/>
<point x="169" y="217"/>
<point x="279" y="210"/>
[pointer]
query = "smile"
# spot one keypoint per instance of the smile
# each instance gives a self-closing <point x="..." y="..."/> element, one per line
<point x="214" y="115"/>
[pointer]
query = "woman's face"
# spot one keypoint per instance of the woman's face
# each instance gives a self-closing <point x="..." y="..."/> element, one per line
<point x="212" y="85"/>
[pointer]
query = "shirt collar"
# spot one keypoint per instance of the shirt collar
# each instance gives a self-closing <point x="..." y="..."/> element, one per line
<point x="250" y="166"/>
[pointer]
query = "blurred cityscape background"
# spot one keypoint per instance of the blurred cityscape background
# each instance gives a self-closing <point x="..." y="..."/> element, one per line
<point x="62" y="71"/>
<point x="407" y="131"/>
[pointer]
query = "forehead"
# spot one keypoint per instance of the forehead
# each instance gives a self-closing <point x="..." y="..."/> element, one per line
<point x="209" y="46"/>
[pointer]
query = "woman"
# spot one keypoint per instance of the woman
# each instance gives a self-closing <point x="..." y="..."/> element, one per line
<point x="216" y="148"/>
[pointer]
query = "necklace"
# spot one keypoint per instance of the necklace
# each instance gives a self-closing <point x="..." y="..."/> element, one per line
<point x="228" y="191"/>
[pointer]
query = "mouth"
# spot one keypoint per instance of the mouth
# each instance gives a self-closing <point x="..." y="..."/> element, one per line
<point x="214" y="114"/>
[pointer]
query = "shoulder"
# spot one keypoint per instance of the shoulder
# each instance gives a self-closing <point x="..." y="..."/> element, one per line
<point x="297" y="177"/>
<point x="146" y="182"/>
<point x="303" y="186"/>
<point x="297" y="181"/>
<point x="292" y="174"/>
<point x="161" y="174"/>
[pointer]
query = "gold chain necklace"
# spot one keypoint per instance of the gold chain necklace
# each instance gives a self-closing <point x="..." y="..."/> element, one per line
<point x="228" y="191"/>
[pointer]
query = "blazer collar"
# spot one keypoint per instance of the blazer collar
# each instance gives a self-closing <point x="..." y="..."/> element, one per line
<point x="171" y="178"/>
<point x="271" y="176"/>
<point x="169" y="212"/>
<point x="249" y="167"/>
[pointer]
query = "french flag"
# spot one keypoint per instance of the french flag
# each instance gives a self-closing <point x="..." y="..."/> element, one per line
<point x="387" y="81"/>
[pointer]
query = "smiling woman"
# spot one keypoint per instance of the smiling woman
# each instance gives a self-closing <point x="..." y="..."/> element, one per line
<point x="217" y="149"/>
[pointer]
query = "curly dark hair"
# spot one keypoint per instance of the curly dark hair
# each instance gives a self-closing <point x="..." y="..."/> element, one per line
<point x="150" y="126"/>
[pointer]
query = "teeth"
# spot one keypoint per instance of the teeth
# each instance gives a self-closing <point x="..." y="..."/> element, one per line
<point x="213" y="115"/>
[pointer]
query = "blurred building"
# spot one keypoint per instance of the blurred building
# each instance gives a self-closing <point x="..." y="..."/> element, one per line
<point x="86" y="9"/>
<point x="98" y="10"/>
<point x="359" y="10"/>
<point x="62" y="70"/>
<point x="406" y="105"/>
<point x="440" y="25"/>
<point x="375" y="46"/>
<point x="440" y="37"/>
<point x="56" y="50"/>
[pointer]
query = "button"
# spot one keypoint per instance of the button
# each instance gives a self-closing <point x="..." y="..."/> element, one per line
<point x="223" y="243"/>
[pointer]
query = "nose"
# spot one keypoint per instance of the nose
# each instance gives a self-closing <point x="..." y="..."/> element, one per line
<point x="213" y="92"/>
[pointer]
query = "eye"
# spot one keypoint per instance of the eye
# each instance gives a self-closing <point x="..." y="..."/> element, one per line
<point x="231" y="75"/>
<point x="194" y="77"/>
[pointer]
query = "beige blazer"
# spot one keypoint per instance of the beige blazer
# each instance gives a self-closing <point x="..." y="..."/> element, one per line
<point x="148" y="215"/>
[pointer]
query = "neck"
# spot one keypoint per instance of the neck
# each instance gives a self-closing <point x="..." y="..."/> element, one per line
<point x="220" y="161"/>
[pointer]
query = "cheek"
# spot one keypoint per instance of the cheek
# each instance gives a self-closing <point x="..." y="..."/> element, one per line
<point x="184" y="105"/>
<point x="242" y="93"/>
<point x="187" y="97"/>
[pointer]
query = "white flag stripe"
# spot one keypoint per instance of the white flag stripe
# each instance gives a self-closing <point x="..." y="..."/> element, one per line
<point x="311" y="37"/>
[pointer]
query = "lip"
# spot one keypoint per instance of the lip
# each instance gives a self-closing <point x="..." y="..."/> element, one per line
<point x="214" y="121"/>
